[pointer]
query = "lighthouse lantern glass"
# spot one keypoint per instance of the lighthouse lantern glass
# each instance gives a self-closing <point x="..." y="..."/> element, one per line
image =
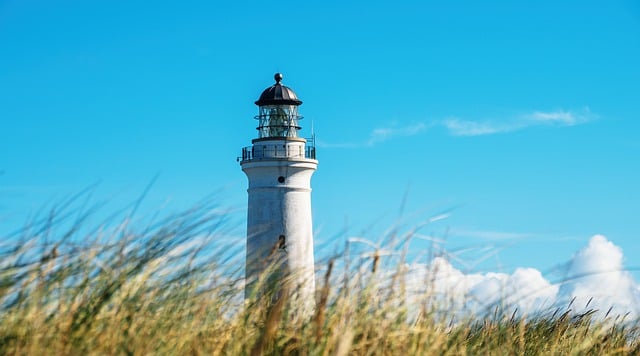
<point x="278" y="121"/>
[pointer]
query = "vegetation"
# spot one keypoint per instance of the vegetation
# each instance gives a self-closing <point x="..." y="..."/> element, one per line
<point x="175" y="287"/>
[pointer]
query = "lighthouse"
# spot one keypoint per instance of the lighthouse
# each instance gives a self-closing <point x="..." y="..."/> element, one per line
<point x="279" y="165"/>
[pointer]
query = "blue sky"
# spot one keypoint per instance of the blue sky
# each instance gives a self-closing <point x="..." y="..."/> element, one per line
<point x="519" y="119"/>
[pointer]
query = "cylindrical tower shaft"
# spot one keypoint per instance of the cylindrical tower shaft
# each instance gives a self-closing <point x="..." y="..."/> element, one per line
<point x="279" y="166"/>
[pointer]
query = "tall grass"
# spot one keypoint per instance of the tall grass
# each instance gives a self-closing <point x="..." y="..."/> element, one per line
<point x="175" y="287"/>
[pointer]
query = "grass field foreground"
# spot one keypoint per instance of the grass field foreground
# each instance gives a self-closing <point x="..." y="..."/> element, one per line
<point x="175" y="287"/>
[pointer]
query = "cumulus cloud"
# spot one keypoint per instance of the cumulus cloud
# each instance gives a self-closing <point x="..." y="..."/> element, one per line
<point x="595" y="279"/>
<point x="479" y="293"/>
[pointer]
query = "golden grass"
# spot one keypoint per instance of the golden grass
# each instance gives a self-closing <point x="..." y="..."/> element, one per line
<point x="172" y="288"/>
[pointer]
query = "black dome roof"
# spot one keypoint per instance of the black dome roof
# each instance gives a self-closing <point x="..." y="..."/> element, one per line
<point x="278" y="94"/>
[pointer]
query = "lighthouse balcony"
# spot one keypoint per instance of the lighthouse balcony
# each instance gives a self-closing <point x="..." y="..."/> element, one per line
<point x="259" y="152"/>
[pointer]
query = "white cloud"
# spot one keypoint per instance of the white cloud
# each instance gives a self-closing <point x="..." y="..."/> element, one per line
<point x="379" y="135"/>
<point x="596" y="276"/>
<point x="459" y="127"/>
<point x="386" y="133"/>
<point x="559" y="118"/>
<point x="462" y="127"/>
<point x="563" y="117"/>
<point x="489" y="234"/>
<point x="478" y="293"/>
<point x="595" y="279"/>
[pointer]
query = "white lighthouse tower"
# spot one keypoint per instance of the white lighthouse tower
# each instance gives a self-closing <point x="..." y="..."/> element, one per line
<point x="279" y="165"/>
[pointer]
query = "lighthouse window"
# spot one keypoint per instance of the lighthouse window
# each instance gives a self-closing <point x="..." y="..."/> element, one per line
<point x="281" y="179"/>
<point x="282" y="245"/>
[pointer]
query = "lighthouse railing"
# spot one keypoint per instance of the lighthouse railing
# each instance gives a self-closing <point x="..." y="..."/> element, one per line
<point x="258" y="152"/>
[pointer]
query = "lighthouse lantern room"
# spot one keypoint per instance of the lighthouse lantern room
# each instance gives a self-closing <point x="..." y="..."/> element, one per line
<point x="279" y="165"/>
<point x="278" y="113"/>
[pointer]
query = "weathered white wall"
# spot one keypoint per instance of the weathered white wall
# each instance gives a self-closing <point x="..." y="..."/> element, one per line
<point x="281" y="208"/>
